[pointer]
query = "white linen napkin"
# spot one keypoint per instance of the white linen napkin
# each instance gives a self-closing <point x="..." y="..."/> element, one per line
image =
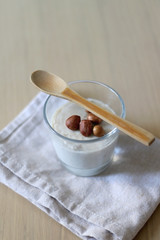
<point x="113" y="205"/>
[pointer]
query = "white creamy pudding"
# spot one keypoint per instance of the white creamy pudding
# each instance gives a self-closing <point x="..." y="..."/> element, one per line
<point x="89" y="155"/>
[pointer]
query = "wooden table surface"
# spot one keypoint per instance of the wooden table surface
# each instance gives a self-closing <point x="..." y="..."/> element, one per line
<point x="115" y="42"/>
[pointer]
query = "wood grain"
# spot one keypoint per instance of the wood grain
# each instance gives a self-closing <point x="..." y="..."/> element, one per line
<point x="115" y="42"/>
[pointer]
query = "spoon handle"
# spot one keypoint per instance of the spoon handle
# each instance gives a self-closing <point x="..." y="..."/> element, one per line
<point x="125" y="126"/>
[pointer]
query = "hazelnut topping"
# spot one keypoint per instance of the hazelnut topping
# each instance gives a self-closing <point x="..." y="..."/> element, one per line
<point x="98" y="131"/>
<point x="86" y="128"/>
<point x="94" y="118"/>
<point x="73" y="122"/>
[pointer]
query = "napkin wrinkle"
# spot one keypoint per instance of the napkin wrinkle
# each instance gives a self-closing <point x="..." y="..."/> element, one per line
<point x="54" y="192"/>
<point x="74" y="223"/>
<point x="99" y="232"/>
<point x="27" y="112"/>
<point x="5" y="135"/>
<point x="23" y="189"/>
<point x="19" y="133"/>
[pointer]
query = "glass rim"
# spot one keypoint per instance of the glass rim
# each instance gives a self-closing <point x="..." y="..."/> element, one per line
<point x="107" y="135"/>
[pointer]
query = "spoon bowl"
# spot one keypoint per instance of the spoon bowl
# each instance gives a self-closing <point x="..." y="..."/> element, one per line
<point x="49" y="83"/>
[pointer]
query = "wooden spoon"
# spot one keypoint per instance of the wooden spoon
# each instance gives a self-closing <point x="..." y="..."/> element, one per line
<point x="54" y="85"/>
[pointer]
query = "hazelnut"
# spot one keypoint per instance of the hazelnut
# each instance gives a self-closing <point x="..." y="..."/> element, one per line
<point x="86" y="128"/>
<point x="94" y="118"/>
<point x="98" y="131"/>
<point x="73" y="122"/>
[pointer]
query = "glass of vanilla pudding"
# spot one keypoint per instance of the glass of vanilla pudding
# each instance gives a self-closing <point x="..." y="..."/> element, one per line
<point x="83" y="155"/>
